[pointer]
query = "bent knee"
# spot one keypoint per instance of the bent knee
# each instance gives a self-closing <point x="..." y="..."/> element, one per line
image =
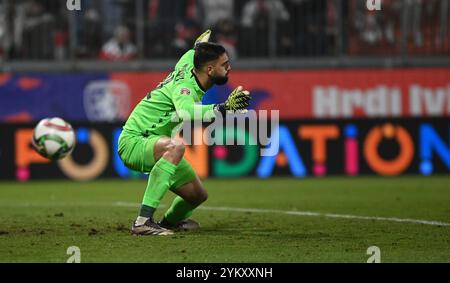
<point x="174" y="151"/>
<point x="179" y="149"/>
<point x="176" y="147"/>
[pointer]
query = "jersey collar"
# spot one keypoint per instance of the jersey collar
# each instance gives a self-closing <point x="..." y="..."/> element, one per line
<point x="197" y="81"/>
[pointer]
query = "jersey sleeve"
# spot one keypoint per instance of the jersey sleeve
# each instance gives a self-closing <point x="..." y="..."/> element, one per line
<point x="186" y="107"/>
<point x="186" y="59"/>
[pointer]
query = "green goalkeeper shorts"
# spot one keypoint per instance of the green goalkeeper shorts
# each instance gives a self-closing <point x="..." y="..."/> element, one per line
<point x="136" y="152"/>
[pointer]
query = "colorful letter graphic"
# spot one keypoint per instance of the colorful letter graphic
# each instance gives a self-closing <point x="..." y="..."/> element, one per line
<point x="287" y="144"/>
<point x="398" y="164"/>
<point x="351" y="150"/>
<point x="197" y="155"/>
<point x="429" y="141"/>
<point x="25" y="155"/>
<point x="245" y="165"/>
<point x="98" y="163"/>
<point x="319" y="136"/>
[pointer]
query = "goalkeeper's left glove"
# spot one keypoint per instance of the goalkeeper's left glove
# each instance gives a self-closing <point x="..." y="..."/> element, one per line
<point x="204" y="37"/>
<point x="238" y="101"/>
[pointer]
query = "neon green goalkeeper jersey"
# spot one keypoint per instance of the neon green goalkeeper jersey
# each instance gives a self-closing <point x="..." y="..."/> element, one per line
<point x="179" y="94"/>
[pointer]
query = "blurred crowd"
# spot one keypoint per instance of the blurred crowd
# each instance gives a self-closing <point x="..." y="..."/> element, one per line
<point x="129" y="29"/>
<point x="423" y="25"/>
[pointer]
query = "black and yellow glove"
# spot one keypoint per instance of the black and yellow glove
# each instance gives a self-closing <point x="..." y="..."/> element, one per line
<point x="204" y="37"/>
<point x="238" y="100"/>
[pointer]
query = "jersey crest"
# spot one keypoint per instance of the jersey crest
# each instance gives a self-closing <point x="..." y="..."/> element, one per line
<point x="185" y="91"/>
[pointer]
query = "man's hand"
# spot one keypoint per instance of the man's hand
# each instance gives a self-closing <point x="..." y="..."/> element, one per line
<point x="204" y="37"/>
<point x="238" y="100"/>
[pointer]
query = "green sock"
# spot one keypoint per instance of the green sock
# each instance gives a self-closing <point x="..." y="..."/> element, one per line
<point x="179" y="210"/>
<point x="158" y="182"/>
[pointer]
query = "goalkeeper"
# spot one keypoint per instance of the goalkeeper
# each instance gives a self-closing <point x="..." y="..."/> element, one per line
<point x="146" y="145"/>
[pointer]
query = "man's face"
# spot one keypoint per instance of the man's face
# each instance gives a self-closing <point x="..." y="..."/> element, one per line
<point x="219" y="69"/>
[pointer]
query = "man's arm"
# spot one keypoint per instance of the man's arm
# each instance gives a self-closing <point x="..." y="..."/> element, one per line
<point x="188" y="57"/>
<point x="186" y="107"/>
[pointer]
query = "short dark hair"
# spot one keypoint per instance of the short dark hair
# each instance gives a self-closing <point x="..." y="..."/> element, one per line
<point x="206" y="52"/>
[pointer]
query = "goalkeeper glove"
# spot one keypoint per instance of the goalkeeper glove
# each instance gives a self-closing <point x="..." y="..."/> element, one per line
<point x="204" y="37"/>
<point x="238" y="100"/>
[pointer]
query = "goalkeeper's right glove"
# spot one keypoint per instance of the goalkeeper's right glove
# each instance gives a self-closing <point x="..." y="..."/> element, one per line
<point x="204" y="37"/>
<point x="238" y="100"/>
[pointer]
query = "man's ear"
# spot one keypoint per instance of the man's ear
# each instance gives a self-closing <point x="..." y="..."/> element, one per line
<point x="209" y="69"/>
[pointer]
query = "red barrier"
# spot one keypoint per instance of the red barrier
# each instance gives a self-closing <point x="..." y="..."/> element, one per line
<point x="333" y="93"/>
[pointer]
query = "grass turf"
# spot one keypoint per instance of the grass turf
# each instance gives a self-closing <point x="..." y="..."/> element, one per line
<point x="39" y="220"/>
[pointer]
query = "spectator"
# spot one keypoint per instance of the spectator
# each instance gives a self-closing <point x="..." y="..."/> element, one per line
<point x="33" y="28"/>
<point x="5" y="31"/>
<point x="185" y="34"/>
<point x="120" y="47"/>
<point x="413" y="14"/>
<point x="256" y="10"/>
<point x="255" y="20"/>
<point x="214" y="11"/>
<point x="112" y="15"/>
<point x="162" y="39"/>
<point x="444" y="25"/>
<point x="368" y="25"/>
<point x="226" y="35"/>
<point x="90" y="34"/>
<point x="311" y="27"/>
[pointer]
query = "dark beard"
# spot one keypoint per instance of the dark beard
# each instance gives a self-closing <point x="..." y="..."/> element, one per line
<point x="219" y="80"/>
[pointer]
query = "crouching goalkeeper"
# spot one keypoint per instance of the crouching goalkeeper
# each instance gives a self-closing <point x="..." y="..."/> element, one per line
<point x="146" y="144"/>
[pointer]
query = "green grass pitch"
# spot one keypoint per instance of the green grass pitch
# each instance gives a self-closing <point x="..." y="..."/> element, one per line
<point x="244" y="220"/>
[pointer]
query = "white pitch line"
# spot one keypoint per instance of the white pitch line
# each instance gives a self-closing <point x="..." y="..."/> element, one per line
<point x="310" y="213"/>
<point x="237" y="209"/>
